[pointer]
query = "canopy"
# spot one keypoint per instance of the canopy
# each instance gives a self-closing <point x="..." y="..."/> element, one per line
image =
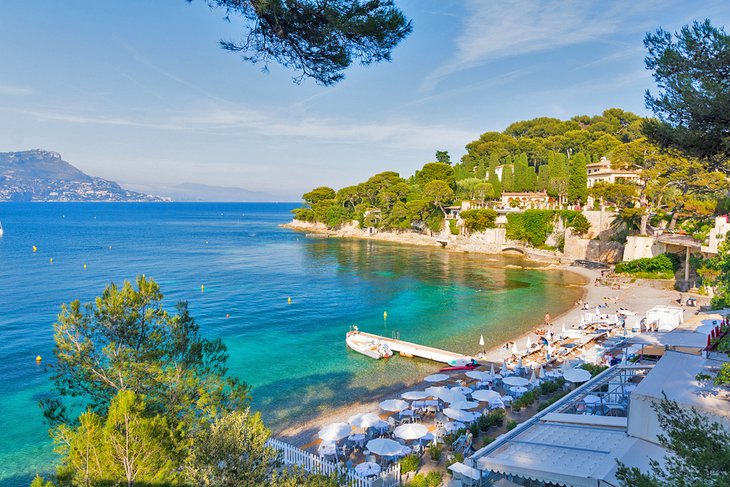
<point x="459" y="415"/>
<point x="436" y="378"/>
<point x="364" y="420"/>
<point x="335" y="431"/>
<point x="384" y="447"/>
<point x="479" y="374"/>
<point x="577" y="375"/>
<point x="415" y="395"/>
<point x="486" y="396"/>
<point x="411" y="431"/>
<point x="395" y="405"/>
<point x="463" y="405"/>
<point x="515" y="381"/>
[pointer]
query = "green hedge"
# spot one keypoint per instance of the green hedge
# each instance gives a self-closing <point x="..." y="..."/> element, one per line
<point x="660" y="267"/>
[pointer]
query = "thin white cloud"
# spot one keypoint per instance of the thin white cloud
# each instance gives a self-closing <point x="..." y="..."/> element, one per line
<point x="495" y="30"/>
<point x="11" y="90"/>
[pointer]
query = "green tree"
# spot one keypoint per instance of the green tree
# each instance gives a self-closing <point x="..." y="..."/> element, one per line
<point x="318" y="39"/>
<point x="126" y="448"/>
<point x="716" y="272"/>
<point x="438" y="193"/>
<point x="691" y="71"/>
<point x="478" y="220"/>
<point x="508" y="179"/>
<point x="578" y="179"/>
<point x="700" y="451"/>
<point x="126" y="341"/>
<point x="436" y="171"/>
<point x="580" y="224"/>
<point x="232" y="452"/>
<point x="319" y="194"/>
<point x="443" y="157"/>
<point x="619" y="195"/>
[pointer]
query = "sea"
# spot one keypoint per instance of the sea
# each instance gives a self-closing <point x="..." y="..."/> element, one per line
<point x="238" y="269"/>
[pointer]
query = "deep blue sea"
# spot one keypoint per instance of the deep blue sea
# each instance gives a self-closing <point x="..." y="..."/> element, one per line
<point x="293" y="355"/>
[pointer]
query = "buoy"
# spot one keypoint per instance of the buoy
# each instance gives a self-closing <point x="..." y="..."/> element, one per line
<point x="51" y="260"/>
<point x="110" y="247"/>
<point x="84" y="266"/>
<point x="227" y="315"/>
<point x="202" y="288"/>
<point x="35" y="249"/>
<point x="289" y="300"/>
<point x="385" y="315"/>
<point x="38" y="358"/>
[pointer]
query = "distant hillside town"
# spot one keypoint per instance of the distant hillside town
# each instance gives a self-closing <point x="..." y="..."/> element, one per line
<point x="38" y="175"/>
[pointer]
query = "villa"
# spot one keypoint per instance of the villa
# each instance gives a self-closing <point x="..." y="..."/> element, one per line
<point x="602" y="172"/>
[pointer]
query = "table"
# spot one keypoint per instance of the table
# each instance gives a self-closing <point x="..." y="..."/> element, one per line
<point x="325" y="449"/>
<point x="358" y="439"/>
<point x="367" y="469"/>
<point x="590" y="400"/>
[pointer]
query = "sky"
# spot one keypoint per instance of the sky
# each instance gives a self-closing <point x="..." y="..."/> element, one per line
<point x="139" y="92"/>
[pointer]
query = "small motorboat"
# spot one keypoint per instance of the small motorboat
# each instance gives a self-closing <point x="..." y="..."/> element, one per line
<point x="464" y="364"/>
<point x="368" y="346"/>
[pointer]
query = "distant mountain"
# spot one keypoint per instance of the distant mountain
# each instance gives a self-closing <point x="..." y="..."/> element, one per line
<point x="217" y="194"/>
<point x="38" y="175"/>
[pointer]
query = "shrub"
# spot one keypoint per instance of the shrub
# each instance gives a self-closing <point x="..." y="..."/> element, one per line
<point x="593" y="369"/>
<point x="478" y="220"/>
<point x="453" y="227"/>
<point x="409" y="463"/>
<point x="551" y="401"/>
<point x="488" y="440"/>
<point x="474" y="428"/>
<point x="435" y="451"/>
<point x="580" y="224"/>
<point x="512" y="424"/>
<point x="484" y="423"/>
<point x="723" y="377"/>
<point x="531" y="226"/>
<point x="496" y="417"/>
<point x="660" y="267"/>
<point x="434" y="479"/>
<point x="418" y="481"/>
<point x="303" y="214"/>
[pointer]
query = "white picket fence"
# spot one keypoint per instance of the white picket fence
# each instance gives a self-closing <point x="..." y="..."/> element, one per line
<point x="291" y="455"/>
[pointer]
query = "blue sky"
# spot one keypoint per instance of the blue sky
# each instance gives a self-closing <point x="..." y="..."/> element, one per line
<point x="138" y="91"/>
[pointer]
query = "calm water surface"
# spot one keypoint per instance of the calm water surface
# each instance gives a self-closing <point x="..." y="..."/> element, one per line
<point x="293" y="355"/>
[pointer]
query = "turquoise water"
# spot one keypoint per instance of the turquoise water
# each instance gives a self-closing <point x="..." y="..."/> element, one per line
<point x="293" y="355"/>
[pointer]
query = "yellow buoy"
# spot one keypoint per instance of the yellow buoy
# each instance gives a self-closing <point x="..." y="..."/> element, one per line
<point x="202" y="288"/>
<point x="289" y="300"/>
<point x="38" y="358"/>
<point x="385" y="315"/>
<point x="84" y="266"/>
<point x="51" y="260"/>
<point x="35" y="249"/>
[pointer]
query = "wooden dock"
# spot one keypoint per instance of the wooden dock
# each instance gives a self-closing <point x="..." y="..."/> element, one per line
<point x="408" y="349"/>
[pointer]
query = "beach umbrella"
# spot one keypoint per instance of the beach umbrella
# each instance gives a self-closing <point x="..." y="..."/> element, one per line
<point x="478" y="375"/>
<point x="577" y="375"/>
<point x="533" y="379"/>
<point x="481" y="343"/>
<point x="410" y="431"/>
<point x="335" y="431"/>
<point x="515" y="381"/>
<point x="554" y="373"/>
<point x="452" y="396"/>
<point x="519" y="364"/>
<point x="518" y="389"/>
<point x="563" y="328"/>
<point x="514" y="349"/>
<point x="486" y="396"/>
<point x="458" y="414"/>
<point x="461" y="389"/>
<point x="364" y="420"/>
<point x="395" y="405"/>
<point x="436" y="378"/>
<point x="491" y="370"/>
<point x="504" y="370"/>
<point x="464" y="405"/>
<point x="540" y="372"/>
<point x="528" y="343"/>
<point x="415" y="395"/>
<point x="436" y="391"/>
<point x="384" y="447"/>
<point x="565" y="366"/>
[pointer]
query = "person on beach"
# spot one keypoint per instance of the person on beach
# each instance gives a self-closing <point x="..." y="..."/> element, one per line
<point x="547" y="318"/>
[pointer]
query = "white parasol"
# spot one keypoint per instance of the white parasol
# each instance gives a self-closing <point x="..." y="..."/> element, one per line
<point x="540" y="372"/>
<point x="395" y="405"/>
<point x="515" y="381"/>
<point x="514" y="349"/>
<point x="486" y="395"/>
<point x="384" y="447"/>
<point x="528" y="343"/>
<point x="577" y="375"/>
<point x="479" y="375"/>
<point x="533" y="378"/>
<point x="335" y="431"/>
<point x="364" y="420"/>
<point x="415" y="395"/>
<point x="464" y="405"/>
<point x="436" y="378"/>
<point x="459" y="415"/>
<point x="411" y="431"/>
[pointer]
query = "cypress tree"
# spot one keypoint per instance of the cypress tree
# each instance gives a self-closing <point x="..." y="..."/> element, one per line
<point x="578" y="179"/>
<point x="508" y="179"/>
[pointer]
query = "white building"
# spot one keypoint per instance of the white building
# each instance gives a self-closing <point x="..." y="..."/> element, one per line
<point x="601" y="172"/>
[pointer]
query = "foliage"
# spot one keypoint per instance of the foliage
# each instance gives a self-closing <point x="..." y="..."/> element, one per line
<point x="662" y="266"/>
<point x="716" y="272"/>
<point x="436" y="171"/>
<point x="127" y="447"/>
<point x="700" y="451"/>
<point x="453" y="227"/>
<point x="39" y="481"/>
<point x="552" y="400"/>
<point x="619" y="195"/>
<point x="409" y="463"/>
<point x="580" y="224"/>
<point x="478" y="220"/>
<point x="511" y="424"/>
<point x="435" y="451"/>
<point x="690" y="69"/>
<point x="126" y="341"/>
<point x="318" y="39"/>
<point x="531" y="226"/>
<point x="578" y="179"/>
<point x="438" y="193"/>
<point x="629" y="218"/>
<point x="593" y="368"/>
<point x="432" y="479"/>
<point x="443" y="157"/>
<point x="723" y="376"/>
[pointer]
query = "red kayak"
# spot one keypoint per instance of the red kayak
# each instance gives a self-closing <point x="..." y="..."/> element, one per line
<point x="470" y="366"/>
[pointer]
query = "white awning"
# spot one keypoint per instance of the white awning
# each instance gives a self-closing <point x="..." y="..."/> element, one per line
<point x="671" y="339"/>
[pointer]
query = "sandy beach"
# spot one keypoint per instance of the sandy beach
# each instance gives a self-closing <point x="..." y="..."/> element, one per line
<point x="637" y="297"/>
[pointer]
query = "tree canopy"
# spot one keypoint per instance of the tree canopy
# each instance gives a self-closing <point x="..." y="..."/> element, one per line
<point x="692" y="70"/>
<point x="318" y="38"/>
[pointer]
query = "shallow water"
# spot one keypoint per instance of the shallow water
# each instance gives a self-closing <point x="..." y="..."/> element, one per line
<point x="293" y="355"/>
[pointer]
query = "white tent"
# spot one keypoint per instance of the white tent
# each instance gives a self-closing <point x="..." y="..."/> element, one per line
<point x="666" y="317"/>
